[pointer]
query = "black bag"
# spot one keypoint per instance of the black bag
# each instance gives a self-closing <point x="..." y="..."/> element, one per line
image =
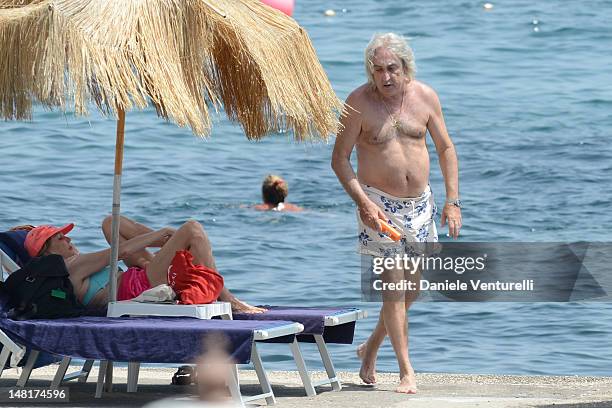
<point x="42" y="290"/>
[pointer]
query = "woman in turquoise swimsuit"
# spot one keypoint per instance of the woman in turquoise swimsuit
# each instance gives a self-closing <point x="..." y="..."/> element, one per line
<point x="89" y="272"/>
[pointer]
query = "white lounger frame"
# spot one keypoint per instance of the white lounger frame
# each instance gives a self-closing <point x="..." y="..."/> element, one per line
<point x="332" y="377"/>
<point x="6" y="264"/>
<point x="133" y="308"/>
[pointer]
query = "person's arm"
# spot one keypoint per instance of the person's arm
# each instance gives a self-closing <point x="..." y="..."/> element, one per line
<point x="153" y="238"/>
<point x="88" y="264"/>
<point x="350" y="128"/>
<point x="448" y="162"/>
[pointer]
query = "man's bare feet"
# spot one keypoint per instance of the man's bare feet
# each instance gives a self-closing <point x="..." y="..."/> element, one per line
<point x="238" y="306"/>
<point x="407" y="384"/>
<point x="367" y="372"/>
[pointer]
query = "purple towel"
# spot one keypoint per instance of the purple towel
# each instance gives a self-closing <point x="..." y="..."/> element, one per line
<point x="147" y="340"/>
<point x="313" y="319"/>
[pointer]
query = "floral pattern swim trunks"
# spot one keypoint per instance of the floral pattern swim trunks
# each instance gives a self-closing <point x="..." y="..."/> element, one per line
<point x="412" y="217"/>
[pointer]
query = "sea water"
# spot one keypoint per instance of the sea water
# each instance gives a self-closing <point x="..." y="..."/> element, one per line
<point x="526" y="91"/>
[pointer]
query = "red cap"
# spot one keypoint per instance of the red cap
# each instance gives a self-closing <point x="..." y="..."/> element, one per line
<point x="37" y="237"/>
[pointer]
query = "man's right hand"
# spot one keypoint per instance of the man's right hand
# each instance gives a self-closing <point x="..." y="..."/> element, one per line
<point x="370" y="213"/>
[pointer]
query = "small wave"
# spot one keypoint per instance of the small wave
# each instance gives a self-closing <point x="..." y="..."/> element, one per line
<point x="596" y="102"/>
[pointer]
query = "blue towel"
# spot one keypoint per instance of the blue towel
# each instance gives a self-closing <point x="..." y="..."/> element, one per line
<point x="144" y="339"/>
<point x="313" y="319"/>
<point x="11" y="242"/>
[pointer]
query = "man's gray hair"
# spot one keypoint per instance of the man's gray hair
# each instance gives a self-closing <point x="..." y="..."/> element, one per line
<point x="397" y="45"/>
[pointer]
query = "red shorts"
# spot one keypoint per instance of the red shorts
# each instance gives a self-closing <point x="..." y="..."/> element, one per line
<point x="134" y="281"/>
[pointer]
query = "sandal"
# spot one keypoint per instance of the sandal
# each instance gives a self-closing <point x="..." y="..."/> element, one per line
<point x="185" y="375"/>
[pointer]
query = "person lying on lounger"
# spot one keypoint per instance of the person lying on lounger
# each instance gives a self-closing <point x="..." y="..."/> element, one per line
<point x="89" y="272"/>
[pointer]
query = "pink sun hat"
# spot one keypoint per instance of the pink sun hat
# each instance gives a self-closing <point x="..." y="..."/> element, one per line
<point x="37" y="237"/>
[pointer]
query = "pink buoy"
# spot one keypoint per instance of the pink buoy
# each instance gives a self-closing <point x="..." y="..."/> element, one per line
<point x="286" y="6"/>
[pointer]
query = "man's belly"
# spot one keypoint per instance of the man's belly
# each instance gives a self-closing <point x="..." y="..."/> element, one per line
<point x="401" y="175"/>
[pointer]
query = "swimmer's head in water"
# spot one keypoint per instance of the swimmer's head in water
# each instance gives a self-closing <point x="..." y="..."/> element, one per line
<point x="398" y="45"/>
<point x="274" y="190"/>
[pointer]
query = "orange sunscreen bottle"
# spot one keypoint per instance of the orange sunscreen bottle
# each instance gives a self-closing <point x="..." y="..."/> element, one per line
<point x="389" y="231"/>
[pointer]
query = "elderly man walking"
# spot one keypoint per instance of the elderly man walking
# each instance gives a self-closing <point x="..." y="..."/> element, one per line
<point x="387" y="120"/>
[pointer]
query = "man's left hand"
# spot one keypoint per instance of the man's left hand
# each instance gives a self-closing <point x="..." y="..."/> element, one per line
<point x="452" y="215"/>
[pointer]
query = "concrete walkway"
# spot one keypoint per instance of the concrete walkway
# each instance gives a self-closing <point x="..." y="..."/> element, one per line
<point x="435" y="390"/>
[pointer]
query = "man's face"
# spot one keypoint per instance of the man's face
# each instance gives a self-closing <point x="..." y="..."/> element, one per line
<point x="387" y="72"/>
<point x="61" y="244"/>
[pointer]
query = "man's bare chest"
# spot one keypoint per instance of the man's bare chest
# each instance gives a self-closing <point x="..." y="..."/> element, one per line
<point x="384" y="128"/>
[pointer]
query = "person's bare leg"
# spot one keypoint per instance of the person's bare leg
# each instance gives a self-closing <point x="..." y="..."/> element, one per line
<point x="129" y="229"/>
<point x="393" y="311"/>
<point x="393" y="321"/>
<point x="191" y="236"/>
<point x="394" y="314"/>
<point x="407" y="378"/>
<point x="368" y="351"/>
<point x="408" y="383"/>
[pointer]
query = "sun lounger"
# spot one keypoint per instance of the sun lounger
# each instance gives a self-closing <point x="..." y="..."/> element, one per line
<point x="322" y="325"/>
<point x="134" y="340"/>
<point x="145" y="340"/>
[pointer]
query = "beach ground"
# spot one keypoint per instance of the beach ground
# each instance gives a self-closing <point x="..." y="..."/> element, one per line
<point x="435" y="390"/>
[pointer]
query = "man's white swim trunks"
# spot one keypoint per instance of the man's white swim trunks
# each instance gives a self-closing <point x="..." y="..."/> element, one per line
<point x="413" y="217"/>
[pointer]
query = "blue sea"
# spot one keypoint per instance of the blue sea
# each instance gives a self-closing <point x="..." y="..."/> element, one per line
<point x="526" y="89"/>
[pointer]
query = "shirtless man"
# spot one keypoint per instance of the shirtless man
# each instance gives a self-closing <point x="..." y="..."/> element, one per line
<point x="387" y="120"/>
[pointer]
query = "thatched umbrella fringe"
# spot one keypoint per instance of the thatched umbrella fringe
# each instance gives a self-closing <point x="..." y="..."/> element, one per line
<point x="198" y="59"/>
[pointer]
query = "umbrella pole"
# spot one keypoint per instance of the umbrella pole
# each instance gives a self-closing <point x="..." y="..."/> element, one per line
<point x="112" y="293"/>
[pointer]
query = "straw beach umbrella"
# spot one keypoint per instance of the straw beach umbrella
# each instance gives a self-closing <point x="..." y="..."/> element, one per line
<point x="182" y="56"/>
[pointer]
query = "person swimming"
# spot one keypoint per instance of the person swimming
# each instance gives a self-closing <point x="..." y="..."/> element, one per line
<point x="274" y="191"/>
